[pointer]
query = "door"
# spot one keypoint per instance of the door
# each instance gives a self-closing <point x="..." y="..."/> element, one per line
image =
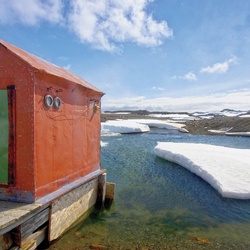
<point x="4" y="135"/>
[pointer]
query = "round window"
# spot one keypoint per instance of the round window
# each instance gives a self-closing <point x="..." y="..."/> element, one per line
<point x="57" y="103"/>
<point x="48" y="101"/>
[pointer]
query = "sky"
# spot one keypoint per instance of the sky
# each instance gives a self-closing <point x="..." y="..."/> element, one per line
<point x="158" y="55"/>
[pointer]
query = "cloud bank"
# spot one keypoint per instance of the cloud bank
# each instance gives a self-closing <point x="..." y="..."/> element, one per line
<point x="238" y="100"/>
<point x="30" y="12"/>
<point x="103" y="24"/>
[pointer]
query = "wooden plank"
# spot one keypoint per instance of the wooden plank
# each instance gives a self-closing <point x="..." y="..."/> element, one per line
<point x="35" y="239"/>
<point x="22" y="232"/>
<point x="101" y="191"/>
<point x="109" y="196"/>
<point x="31" y="225"/>
<point x="69" y="187"/>
<point x="110" y="191"/>
<point x="5" y="241"/>
<point x="13" y="214"/>
<point x="71" y="206"/>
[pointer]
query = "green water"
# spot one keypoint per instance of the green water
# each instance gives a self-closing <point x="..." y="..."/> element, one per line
<point x="160" y="205"/>
<point x="4" y="130"/>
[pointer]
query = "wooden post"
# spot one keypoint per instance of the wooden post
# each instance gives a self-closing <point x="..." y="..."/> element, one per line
<point x="110" y="194"/>
<point x="101" y="191"/>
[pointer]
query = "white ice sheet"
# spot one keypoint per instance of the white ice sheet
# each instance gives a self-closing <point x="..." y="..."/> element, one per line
<point x="226" y="169"/>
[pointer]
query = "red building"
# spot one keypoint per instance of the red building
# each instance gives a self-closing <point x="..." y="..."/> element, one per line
<point x="51" y="123"/>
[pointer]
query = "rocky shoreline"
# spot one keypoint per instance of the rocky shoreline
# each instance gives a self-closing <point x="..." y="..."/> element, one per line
<point x="218" y="123"/>
<point x="201" y="126"/>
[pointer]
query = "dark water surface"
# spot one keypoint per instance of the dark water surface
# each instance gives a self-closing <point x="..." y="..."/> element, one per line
<point x="161" y="205"/>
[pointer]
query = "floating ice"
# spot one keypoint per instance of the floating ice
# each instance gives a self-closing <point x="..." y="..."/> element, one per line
<point x="153" y="123"/>
<point x="123" y="127"/>
<point x="104" y="144"/>
<point x="225" y="169"/>
<point x="238" y="133"/>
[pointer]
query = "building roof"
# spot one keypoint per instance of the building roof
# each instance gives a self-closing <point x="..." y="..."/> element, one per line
<point x="45" y="66"/>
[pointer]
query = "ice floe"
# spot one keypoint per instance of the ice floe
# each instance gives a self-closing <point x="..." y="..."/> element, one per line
<point x="123" y="127"/>
<point x="238" y="133"/>
<point x="104" y="144"/>
<point x="220" y="131"/>
<point x="153" y="123"/>
<point x="138" y="126"/>
<point x="225" y="169"/>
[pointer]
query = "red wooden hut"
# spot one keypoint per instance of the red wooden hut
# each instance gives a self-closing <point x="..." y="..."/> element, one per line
<point x="50" y="125"/>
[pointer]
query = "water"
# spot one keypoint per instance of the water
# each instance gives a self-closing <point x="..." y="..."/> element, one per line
<point x="161" y="205"/>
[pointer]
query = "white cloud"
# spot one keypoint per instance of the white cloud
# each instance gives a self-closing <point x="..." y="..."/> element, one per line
<point x="238" y="100"/>
<point x="154" y="88"/>
<point x="30" y="12"/>
<point x="190" y="76"/>
<point x="219" y="67"/>
<point x="104" y="24"/>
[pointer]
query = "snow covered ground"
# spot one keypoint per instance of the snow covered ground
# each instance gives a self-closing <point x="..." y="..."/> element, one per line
<point x="175" y="117"/>
<point x="225" y="169"/>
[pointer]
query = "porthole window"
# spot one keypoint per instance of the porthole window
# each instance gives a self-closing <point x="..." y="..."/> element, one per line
<point x="48" y="101"/>
<point x="57" y="103"/>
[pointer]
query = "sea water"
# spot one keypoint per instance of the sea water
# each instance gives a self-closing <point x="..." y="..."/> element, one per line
<point x="161" y="205"/>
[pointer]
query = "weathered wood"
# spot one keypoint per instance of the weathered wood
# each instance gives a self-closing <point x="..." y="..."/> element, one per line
<point x="13" y="214"/>
<point x="110" y="191"/>
<point x="101" y="191"/>
<point x="109" y="196"/>
<point x="69" y="187"/>
<point x="71" y="206"/>
<point x="35" y="239"/>
<point x="5" y="241"/>
<point x="29" y="227"/>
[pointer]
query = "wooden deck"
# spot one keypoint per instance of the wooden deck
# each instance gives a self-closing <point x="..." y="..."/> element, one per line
<point x="27" y="225"/>
<point x="20" y="224"/>
<point x="13" y="214"/>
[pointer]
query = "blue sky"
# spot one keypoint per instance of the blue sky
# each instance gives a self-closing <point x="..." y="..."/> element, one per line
<point x="161" y="55"/>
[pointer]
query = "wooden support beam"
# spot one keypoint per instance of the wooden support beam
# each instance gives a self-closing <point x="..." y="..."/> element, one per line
<point x="22" y="233"/>
<point x="13" y="214"/>
<point x="5" y="241"/>
<point x="110" y="194"/>
<point x="101" y="191"/>
<point x="110" y="191"/>
<point x="35" y="239"/>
